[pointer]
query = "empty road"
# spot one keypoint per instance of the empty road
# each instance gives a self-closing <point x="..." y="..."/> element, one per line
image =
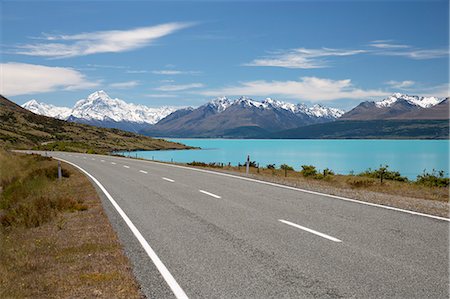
<point x="193" y="233"/>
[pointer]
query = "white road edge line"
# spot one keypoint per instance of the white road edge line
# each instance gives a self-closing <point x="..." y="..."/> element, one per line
<point x="310" y="231"/>
<point x="301" y="190"/>
<point x="169" y="180"/>
<point x="209" y="193"/>
<point x="143" y="171"/>
<point x="126" y="166"/>
<point x="174" y="286"/>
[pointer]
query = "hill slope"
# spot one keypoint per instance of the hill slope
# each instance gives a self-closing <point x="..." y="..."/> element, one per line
<point x="20" y="128"/>
<point x="400" y="106"/>
<point x="369" y="129"/>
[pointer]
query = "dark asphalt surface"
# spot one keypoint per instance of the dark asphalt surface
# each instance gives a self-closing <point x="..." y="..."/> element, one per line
<point x="236" y="247"/>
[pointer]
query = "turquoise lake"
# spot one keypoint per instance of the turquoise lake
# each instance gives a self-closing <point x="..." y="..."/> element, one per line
<point x="409" y="157"/>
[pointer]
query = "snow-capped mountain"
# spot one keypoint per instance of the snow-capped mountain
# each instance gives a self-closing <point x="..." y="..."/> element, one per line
<point x="222" y="103"/>
<point x="101" y="110"/>
<point x="243" y="117"/>
<point x="47" y="109"/>
<point x="99" y="106"/>
<point x="400" y="106"/>
<point x="424" y="102"/>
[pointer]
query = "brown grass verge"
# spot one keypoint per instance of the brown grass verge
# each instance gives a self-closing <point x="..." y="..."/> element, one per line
<point x="75" y="253"/>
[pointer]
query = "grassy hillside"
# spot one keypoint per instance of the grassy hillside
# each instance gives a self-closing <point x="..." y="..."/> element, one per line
<point x="22" y="129"/>
<point x="370" y="129"/>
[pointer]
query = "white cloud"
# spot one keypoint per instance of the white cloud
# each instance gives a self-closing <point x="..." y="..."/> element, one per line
<point x="22" y="78"/>
<point x="175" y="72"/>
<point x="179" y="87"/>
<point x="136" y="71"/>
<point x="161" y="95"/>
<point x="112" y="41"/>
<point x="387" y="44"/>
<point x="302" y="58"/>
<point x="307" y="88"/>
<point x="418" y="54"/>
<point x="400" y="84"/>
<point x="124" y="85"/>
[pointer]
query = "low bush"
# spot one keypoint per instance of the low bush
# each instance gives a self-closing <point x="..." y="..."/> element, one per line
<point x="356" y="182"/>
<point x="270" y="166"/>
<point x="383" y="173"/>
<point x="286" y="167"/>
<point x="433" y="179"/>
<point x="308" y="171"/>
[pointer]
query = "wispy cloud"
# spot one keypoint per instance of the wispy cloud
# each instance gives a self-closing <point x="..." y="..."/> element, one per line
<point x="137" y="71"/>
<point x="302" y="58"/>
<point x="23" y="78"/>
<point x="112" y="41"/>
<point x="124" y="85"/>
<point x="161" y="95"/>
<point x="179" y="87"/>
<point x="400" y="84"/>
<point x="175" y="72"/>
<point x="418" y="54"/>
<point x="307" y="88"/>
<point x="387" y="44"/>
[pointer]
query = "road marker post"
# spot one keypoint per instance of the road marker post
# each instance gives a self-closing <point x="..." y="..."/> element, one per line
<point x="247" y="164"/>
<point x="59" y="171"/>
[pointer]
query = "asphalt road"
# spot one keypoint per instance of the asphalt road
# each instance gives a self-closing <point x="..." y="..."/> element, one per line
<point x="224" y="237"/>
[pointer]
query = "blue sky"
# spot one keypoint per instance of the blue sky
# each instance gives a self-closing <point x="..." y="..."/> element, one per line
<point x="336" y="53"/>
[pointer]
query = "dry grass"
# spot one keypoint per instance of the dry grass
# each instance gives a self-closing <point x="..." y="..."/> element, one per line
<point x="72" y="253"/>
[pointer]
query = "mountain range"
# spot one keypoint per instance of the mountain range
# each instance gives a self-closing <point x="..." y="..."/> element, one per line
<point x="248" y="118"/>
<point x="22" y="129"/>
<point x="101" y="110"/>
<point x="400" y="106"/>
<point x="240" y="118"/>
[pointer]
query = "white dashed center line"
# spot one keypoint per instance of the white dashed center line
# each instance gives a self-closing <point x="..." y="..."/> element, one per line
<point x="102" y="160"/>
<point x="310" y="231"/>
<point x="143" y="171"/>
<point x="113" y="163"/>
<point x="210" y="194"/>
<point x="169" y="180"/>
<point x="126" y="166"/>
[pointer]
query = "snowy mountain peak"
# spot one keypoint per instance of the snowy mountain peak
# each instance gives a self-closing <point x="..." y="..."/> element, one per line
<point x="424" y="102"/>
<point x="99" y="106"/>
<point x="220" y="104"/>
<point x="223" y="103"/>
<point x="47" y="109"/>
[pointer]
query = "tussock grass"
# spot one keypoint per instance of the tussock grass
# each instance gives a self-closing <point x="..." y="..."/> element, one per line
<point x="54" y="244"/>
<point x="31" y="194"/>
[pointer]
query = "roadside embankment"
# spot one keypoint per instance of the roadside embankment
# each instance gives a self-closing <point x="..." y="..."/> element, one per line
<point x="55" y="239"/>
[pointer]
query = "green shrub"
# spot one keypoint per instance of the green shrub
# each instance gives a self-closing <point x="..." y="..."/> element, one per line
<point x="270" y="166"/>
<point x="383" y="173"/>
<point x="308" y="170"/>
<point x="286" y="167"/>
<point x="433" y="179"/>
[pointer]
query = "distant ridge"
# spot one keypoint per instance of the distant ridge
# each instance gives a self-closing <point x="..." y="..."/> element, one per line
<point x="240" y="118"/>
<point x="400" y="106"/>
